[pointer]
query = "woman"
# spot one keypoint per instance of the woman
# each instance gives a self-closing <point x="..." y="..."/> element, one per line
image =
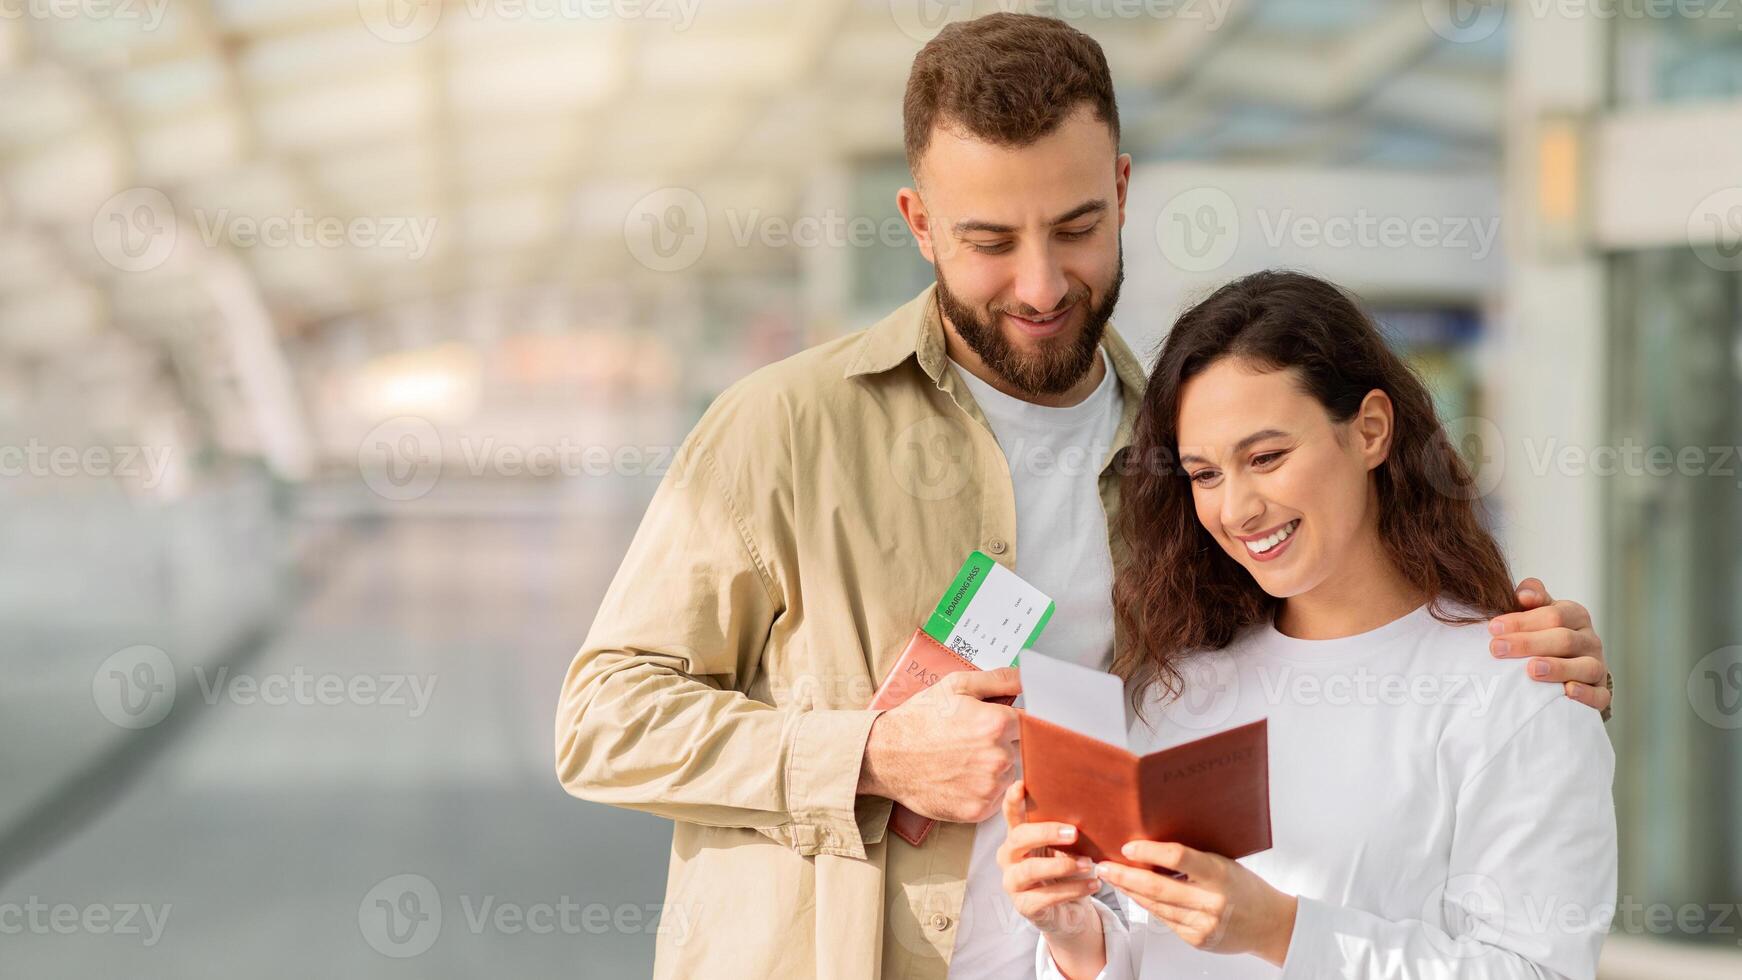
<point x="1303" y="547"/>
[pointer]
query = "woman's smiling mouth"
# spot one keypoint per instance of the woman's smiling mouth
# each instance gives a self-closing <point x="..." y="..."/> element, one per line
<point x="1271" y="544"/>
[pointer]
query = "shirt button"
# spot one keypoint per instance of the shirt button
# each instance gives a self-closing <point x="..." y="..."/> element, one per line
<point x="940" y="921"/>
<point x="996" y="546"/>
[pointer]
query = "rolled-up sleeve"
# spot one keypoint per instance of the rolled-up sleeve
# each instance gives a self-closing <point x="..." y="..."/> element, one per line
<point x="652" y="714"/>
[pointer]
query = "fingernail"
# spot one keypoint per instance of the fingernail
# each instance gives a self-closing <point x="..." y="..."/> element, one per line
<point x="1103" y="869"/>
<point x="1496" y="627"/>
<point x="1501" y="648"/>
<point x="1127" y="849"/>
<point x="1084" y="864"/>
<point x="1067" y="833"/>
<point x="1530" y="594"/>
<point x="1539" y="668"/>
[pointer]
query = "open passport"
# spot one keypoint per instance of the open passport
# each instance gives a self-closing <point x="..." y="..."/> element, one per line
<point x="1210" y="794"/>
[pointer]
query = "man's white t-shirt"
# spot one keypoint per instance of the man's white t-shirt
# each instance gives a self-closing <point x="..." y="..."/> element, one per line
<point x="1055" y="457"/>
<point x="1436" y="811"/>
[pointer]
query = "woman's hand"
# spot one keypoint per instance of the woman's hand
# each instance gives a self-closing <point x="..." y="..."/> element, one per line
<point x="1052" y="890"/>
<point x="1219" y="906"/>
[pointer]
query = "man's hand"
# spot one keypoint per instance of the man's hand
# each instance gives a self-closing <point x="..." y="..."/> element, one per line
<point x="1558" y="638"/>
<point x="945" y="753"/>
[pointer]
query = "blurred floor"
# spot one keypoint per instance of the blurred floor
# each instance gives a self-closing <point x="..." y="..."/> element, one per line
<point x="266" y="829"/>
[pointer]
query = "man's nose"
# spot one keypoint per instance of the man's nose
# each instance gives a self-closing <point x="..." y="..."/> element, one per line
<point x="1040" y="282"/>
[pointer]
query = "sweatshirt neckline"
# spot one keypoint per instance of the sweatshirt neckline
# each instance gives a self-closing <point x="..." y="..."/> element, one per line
<point x="1343" y="648"/>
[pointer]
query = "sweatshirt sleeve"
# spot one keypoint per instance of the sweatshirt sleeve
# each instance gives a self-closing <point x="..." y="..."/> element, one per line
<point x="1531" y="884"/>
<point x="1121" y="949"/>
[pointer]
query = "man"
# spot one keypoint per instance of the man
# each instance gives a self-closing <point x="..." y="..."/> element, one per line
<point x="823" y="503"/>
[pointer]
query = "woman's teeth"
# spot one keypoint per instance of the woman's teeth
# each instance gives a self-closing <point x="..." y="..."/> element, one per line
<point x="1263" y="545"/>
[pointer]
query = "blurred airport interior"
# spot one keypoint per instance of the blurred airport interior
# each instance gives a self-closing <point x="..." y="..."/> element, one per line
<point x="342" y="343"/>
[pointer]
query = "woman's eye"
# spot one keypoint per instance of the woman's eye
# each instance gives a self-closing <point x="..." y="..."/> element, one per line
<point x="1265" y="459"/>
<point x="1205" y="478"/>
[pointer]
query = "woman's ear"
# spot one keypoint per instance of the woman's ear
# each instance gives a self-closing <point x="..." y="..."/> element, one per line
<point x="1373" y="428"/>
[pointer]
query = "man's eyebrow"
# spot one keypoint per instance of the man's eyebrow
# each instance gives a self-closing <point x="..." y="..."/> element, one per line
<point x="1259" y="436"/>
<point x="969" y="226"/>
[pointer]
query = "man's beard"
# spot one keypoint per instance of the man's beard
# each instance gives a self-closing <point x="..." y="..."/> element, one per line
<point x="1060" y="364"/>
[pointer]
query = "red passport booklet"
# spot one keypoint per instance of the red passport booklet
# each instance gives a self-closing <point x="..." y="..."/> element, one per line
<point x="921" y="664"/>
<point x="1212" y="794"/>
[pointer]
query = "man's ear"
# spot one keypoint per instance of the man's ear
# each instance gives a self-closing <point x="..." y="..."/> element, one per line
<point x="1373" y="427"/>
<point x="918" y="221"/>
<point x="1122" y="180"/>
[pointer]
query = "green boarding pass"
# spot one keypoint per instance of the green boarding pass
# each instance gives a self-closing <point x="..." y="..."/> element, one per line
<point x="989" y="615"/>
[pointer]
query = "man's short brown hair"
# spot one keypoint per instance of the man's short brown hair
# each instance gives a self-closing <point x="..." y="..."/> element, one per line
<point x="1009" y="79"/>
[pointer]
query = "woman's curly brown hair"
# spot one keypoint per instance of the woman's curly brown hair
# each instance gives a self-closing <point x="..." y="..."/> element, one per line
<point x="1176" y="591"/>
